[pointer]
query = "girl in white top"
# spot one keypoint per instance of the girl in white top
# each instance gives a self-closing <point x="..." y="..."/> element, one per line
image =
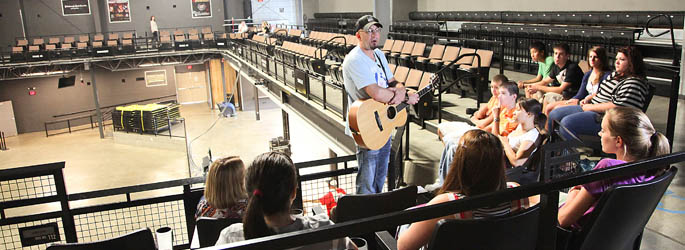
<point x="242" y="28"/>
<point x="154" y="29"/>
<point x="531" y="121"/>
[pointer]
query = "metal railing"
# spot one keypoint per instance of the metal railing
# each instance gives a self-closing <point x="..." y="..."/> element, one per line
<point x="43" y="184"/>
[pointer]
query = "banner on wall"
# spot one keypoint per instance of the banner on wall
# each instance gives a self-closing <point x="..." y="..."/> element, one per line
<point x="75" y="7"/>
<point x="119" y="11"/>
<point x="201" y="8"/>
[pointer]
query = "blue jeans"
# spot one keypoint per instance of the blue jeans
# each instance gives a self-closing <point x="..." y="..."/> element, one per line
<point x="373" y="169"/>
<point x="446" y="158"/>
<point x="576" y="120"/>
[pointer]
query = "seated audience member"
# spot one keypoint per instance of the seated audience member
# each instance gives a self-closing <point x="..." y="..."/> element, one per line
<point x="531" y="120"/>
<point x="266" y="27"/>
<point x="539" y="55"/>
<point x="599" y="64"/>
<point x="626" y="86"/>
<point x="563" y="81"/>
<point x="242" y="28"/>
<point x="451" y="131"/>
<point x="225" y="195"/>
<point x="628" y="133"/>
<point x="478" y="168"/>
<point x="483" y="118"/>
<point x="272" y="184"/>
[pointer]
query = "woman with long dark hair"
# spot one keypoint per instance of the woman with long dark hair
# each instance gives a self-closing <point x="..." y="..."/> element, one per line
<point x="477" y="168"/>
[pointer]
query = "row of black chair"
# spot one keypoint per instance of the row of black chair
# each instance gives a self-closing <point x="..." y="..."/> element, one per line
<point x="416" y="27"/>
<point x="342" y="15"/>
<point x="302" y="57"/>
<point x="592" y="18"/>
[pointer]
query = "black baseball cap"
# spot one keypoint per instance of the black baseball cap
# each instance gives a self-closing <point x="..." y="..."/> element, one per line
<point x="365" y="22"/>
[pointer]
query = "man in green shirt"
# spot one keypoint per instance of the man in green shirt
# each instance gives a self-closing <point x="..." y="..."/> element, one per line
<point x="537" y="52"/>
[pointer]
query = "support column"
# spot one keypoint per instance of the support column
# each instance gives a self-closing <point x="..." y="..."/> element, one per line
<point x="96" y="99"/>
<point x="286" y="125"/>
<point x="381" y="10"/>
<point x="256" y="102"/>
<point x="333" y="166"/>
<point x="682" y="66"/>
<point x="24" y="22"/>
<point x="223" y="80"/>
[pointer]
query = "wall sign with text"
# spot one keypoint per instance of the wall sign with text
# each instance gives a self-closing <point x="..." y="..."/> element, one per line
<point x="155" y="78"/>
<point x="40" y="234"/>
<point x="75" y="7"/>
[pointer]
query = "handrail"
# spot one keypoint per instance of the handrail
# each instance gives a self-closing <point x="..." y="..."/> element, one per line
<point x="381" y="222"/>
<point x="34" y="170"/>
<point x="136" y="188"/>
<point x="112" y="106"/>
<point x="441" y="90"/>
<point x="676" y="59"/>
<point x="320" y="47"/>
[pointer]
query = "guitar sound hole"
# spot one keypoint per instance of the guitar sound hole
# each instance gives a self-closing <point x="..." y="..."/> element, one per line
<point x="392" y="112"/>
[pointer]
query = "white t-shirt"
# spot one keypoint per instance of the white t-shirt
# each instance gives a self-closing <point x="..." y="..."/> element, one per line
<point x="591" y="88"/>
<point x="515" y="141"/>
<point x="153" y="26"/>
<point x="359" y="71"/>
<point x="234" y="233"/>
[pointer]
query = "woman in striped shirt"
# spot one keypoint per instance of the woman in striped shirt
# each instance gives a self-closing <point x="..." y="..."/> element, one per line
<point x="477" y="168"/>
<point x="626" y="87"/>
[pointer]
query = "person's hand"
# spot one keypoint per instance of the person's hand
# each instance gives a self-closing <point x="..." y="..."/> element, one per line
<point x="585" y="107"/>
<point x="495" y="110"/>
<point x="413" y="98"/>
<point x="399" y="96"/>
<point x="520" y="83"/>
<point x="504" y="139"/>
<point x="532" y="88"/>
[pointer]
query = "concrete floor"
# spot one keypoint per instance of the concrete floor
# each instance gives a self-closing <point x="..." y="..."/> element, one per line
<point x="94" y="164"/>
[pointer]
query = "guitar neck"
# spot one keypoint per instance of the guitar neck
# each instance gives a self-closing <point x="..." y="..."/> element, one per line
<point x="421" y="93"/>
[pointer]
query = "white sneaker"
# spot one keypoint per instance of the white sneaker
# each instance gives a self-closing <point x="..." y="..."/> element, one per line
<point x="433" y="187"/>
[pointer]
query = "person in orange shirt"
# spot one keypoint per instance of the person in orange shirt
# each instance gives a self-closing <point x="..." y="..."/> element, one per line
<point x="508" y="93"/>
<point x="504" y="118"/>
<point x="483" y="118"/>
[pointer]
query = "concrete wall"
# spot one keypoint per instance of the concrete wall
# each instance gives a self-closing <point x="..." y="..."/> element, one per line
<point x="234" y="9"/>
<point x="275" y="11"/>
<point x="44" y="18"/>
<point x="10" y="23"/>
<point x="32" y="111"/>
<point x="167" y="16"/>
<point x="326" y="6"/>
<point x="401" y="9"/>
<point x="545" y="5"/>
<point x="309" y="7"/>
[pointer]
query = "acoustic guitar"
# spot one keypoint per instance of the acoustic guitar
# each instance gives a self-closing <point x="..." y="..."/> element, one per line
<point x="372" y="122"/>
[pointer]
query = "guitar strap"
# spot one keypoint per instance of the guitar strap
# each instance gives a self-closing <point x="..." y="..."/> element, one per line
<point x="387" y="80"/>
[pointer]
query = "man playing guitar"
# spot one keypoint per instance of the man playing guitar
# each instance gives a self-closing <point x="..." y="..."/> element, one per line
<point x="366" y="75"/>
